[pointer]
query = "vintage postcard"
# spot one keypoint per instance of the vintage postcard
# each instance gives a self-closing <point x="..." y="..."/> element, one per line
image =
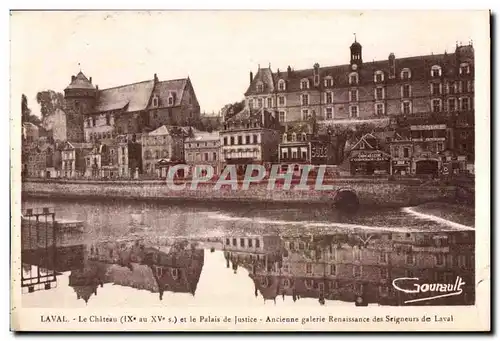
<point x="250" y="170"/>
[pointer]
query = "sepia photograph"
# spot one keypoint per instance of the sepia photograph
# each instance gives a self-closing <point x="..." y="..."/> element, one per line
<point x="250" y="170"/>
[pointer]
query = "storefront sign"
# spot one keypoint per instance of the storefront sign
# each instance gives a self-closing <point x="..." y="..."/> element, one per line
<point x="369" y="156"/>
<point x="428" y="127"/>
<point x="319" y="151"/>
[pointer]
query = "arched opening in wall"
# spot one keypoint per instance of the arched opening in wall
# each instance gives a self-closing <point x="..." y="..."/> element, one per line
<point x="427" y="167"/>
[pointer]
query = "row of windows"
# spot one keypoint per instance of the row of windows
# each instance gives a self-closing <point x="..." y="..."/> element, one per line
<point x="198" y="144"/>
<point x="201" y="156"/>
<point x="240" y="140"/>
<point x="379" y="94"/>
<point x="295" y="137"/>
<point x="157" y="154"/>
<point x="92" y="121"/>
<point x="294" y="152"/>
<point x="249" y="242"/>
<point x="96" y="136"/>
<point x="171" y="100"/>
<point x="378" y="77"/>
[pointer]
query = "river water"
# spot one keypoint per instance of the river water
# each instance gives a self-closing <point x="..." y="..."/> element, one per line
<point x="152" y="254"/>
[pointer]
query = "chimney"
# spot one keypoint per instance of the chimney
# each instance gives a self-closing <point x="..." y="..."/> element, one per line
<point x="251" y="77"/>
<point x="90" y="80"/>
<point x="156" y="78"/>
<point x="289" y="70"/>
<point x="73" y="78"/>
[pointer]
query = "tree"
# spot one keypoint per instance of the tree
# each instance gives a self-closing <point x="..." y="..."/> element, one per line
<point x="50" y="101"/>
<point x="26" y="115"/>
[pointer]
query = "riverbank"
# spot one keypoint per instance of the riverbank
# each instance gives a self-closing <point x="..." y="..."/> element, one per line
<point x="455" y="213"/>
<point x="370" y="192"/>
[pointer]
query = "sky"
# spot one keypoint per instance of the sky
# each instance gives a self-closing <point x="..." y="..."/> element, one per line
<point x="216" y="49"/>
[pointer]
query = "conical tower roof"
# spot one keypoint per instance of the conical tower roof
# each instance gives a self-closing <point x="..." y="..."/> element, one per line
<point x="80" y="81"/>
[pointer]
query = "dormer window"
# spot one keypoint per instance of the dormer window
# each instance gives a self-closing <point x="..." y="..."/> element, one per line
<point x="436" y="71"/>
<point x="284" y="139"/>
<point x="171" y="98"/>
<point x="155" y="101"/>
<point x="328" y="82"/>
<point x="464" y="69"/>
<point x="353" y="78"/>
<point x="260" y="87"/>
<point x="405" y="74"/>
<point x="294" y="137"/>
<point x="304" y="84"/>
<point x="281" y="85"/>
<point x="362" y="145"/>
<point x="378" y="77"/>
<point x="304" y="137"/>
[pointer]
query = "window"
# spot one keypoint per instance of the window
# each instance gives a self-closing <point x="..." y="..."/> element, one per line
<point x="231" y="140"/>
<point x="93" y="121"/>
<point x="410" y="259"/>
<point x="214" y="156"/>
<point x="281" y="85"/>
<point x="240" y="139"/>
<point x="247" y="139"/>
<point x="380" y="108"/>
<point x="328" y="82"/>
<point x="436" y="105"/>
<point x="309" y="268"/>
<point x="234" y="242"/>
<point x="439" y="259"/>
<point x="108" y="119"/>
<point x="333" y="269"/>
<point x="281" y="100"/>
<point x="353" y="95"/>
<point x="378" y="77"/>
<point x="379" y="93"/>
<point x="406" y="91"/>
<point x="242" y="242"/>
<point x="305" y="114"/>
<point x="259" y="102"/>
<point x="250" y="103"/>
<point x="406" y="152"/>
<point x="328" y="97"/>
<point x="255" y="139"/>
<point x="260" y="87"/>
<point x="405" y="74"/>
<point x="294" y="137"/>
<point x="440" y="146"/>
<point x="356" y="254"/>
<point x="282" y="116"/>
<point x="384" y="273"/>
<point x="329" y="113"/>
<point x="270" y="102"/>
<point x="316" y="80"/>
<point x="452" y="104"/>
<point x="436" y="89"/>
<point x="284" y="151"/>
<point x="304" y="84"/>
<point x="353" y="78"/>
<point x="299" y="137"/>
<point x="225" y="141"/>
<point x="305" y="99"/>
<point x="464" y="69"/>
<point x="383" y="290"/>
<point x="171" y="100"/>
<point x="257" y="243"/>
<point x="452" y="88"/>
<point x="205" y="156"/>
<point x="383" y="257"/>
<point x="356" y="271"/>
<point x="436" y="71"/>
<point x="406" y="107"/>
<point x="464" y="104"/>
<point x="354" y="111"/>
<point x="284" y="138"/>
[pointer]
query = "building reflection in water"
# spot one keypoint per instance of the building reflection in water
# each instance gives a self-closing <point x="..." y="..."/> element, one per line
<point x="356" y="267"/>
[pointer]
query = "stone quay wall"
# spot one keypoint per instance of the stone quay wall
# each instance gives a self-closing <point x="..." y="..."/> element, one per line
<point x="370" y="192"/>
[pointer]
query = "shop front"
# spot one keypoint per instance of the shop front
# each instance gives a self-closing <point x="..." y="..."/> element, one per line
<point x="401" y="167"/>
<point x="371" y="162"/>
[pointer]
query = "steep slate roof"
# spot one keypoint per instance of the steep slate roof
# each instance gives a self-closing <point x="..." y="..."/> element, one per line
<point x="163" y="89"/>
<point x="420" y="67"/>
<point x="134" y="97"/>
<point x="80" y="82"/>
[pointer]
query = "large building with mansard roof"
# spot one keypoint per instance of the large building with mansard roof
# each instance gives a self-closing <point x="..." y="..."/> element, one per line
<point x="93" y="114"/>
<point x="437" y="83"/>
